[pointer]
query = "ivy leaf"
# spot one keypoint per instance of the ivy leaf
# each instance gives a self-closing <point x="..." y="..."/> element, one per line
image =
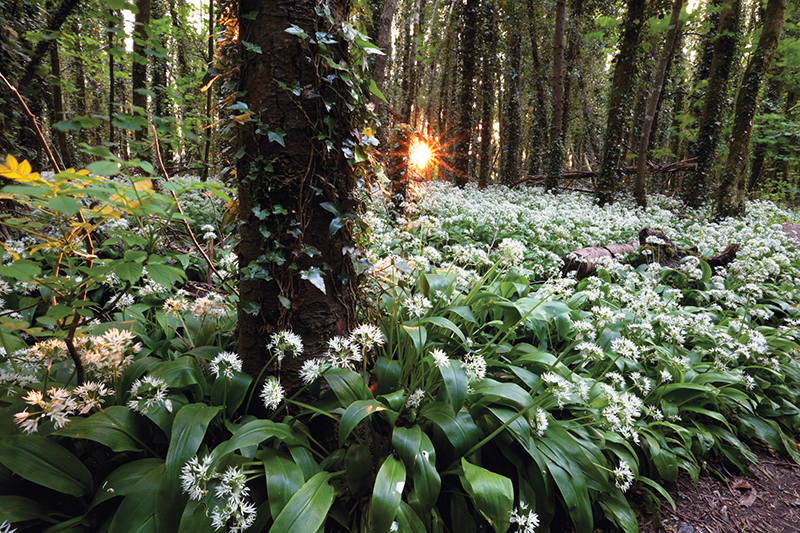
<point x="373" y="88"/>
<point x="251" y="308"/>
<point x="252" y="47"/>
<point x="277" y="136"/>
<point x="314" y="275"/>
<point x="294" y="29"/>
<point x="66" y="125"/>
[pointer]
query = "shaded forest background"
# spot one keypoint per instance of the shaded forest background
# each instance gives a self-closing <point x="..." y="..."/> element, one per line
<point x="539" y="91"/>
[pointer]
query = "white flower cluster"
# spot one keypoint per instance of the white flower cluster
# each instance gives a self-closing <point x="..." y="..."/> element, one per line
<point x="59" y="404"/>
<point x="285" y="342"/>
<point x="231" y="507"/>
<point x="527" y="521"/>
<point x="225" y="363"/>
<point x="147" y="393"/>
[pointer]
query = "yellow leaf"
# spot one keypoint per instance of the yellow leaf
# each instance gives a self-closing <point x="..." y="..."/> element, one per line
<point x="144" y="185"/>
<point x="24" y="168"/>
<point x="241" y="119"/>
<point x="11" y="164"/>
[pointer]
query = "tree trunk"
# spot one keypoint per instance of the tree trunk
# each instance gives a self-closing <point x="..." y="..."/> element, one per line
<point x="112" y="20"/>
<point x="59" y="17"/>
<point x="409" y="84"/>
<point x="538" y="140"/>
<point x="384" y="42"/>
<point x="487" y="95"/>
<point x="733" y="186"/>
<point x="286" y="252"/>
<point x="655" y="96"/>
<point x="80" y="89"/>
<point x="555" y="155"/>
<point x="209" y="94"/>
<point x="510" y="131"/>
<point x="622" y="84"/>
<point x="162" y="108"/>
<point x="58" y="107"/>
<point x="696" y="190"/>
<point x="466" y="93"/>
<point x="139" y="69"/>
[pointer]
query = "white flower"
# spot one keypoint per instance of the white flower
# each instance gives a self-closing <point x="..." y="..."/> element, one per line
<point x="540" y="422"/>
<point x="623" y="476"/>
<point x="90" y="396"/>
<point x="148" y="392"/>
<point x="590" y="350"/>
<point x="368" y="336"/>
<point x="212" y="306"/>
<point x="512" y="250"/>
<point x="226" y="363"/>
<point x="417" y="305"/>
<point x="311" y="370"/>
<point x="272" y="393"/>
<point x="625" y="348"/>
<point x="527" y="522"/>
<point x="195" y="476"/>
<point x="415" y="399"/>
<point x="5" y="527"/>
<point x="440" y="358"/>
<point x="474" y="366"/>
<point x="286" y="342"/>
<point x="343" y="352"/>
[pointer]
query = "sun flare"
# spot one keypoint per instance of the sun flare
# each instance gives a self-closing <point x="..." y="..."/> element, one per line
<point x="419" y="154"/>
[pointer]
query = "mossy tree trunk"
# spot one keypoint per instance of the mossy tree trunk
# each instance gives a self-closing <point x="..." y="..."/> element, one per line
<point x="538" y="140"/>
<point x="623" y="82"/>
<point x="487" y="93"/>
<point x="696" y="188"/>
<point x="295" y="274"/>
<point x="555" y="153"/>
<point x="466" y="96"/>
<point x="733" y="182"/>
<point x="139" y="69"/>
<point x="511" y="126"/>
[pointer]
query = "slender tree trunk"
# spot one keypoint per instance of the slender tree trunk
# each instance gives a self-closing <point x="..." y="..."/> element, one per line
<point x="538" y="141"/>
<point x="733" y="184"/>
<point x="59" y="17"/>
<point x="622" y="84"/>
<point x="286" y="253"/>
<point x="556" y="152"/>
<point x="697" y="187"/>
<point x="162" y="108"/>
<point x="139" y="69"/>
<point x="384" y="42"/>
<point x="410" y="66"/>
<point x="487" y="95"/>
<point x="652" y="104"/>
<point x="80" y="89"/>
<point x="111" y="78"/>
<point x="466" y="94"/>
<point x="209" y="94"/>
<point x="60" y="135"/>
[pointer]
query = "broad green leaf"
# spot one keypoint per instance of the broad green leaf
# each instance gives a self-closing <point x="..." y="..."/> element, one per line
<point x="447" y="324"/>
<point x="307" y="509"/>
<point x="230" y="391"/>
<point x="188" y="431"/>
<point x="44" y="462"/>
<point x="121" y="481"/>
<point x="284" y="479"/>
<point x="115" y="428"/>
<point x="64" y="205"/>
<point x="419" y="456"/>
<point x="492" y="494"/>
<point x="180" y="373"/>
<point x="373" y="88"/>
<point x="418" y="335"/>
<point x="347" y="385"/>
<point x="21" y="269"/>
<point x="136" y="513"/>
<point x="573" y="489"/>
<point x="314" y="276"/>
<point x="459" y="428"/>
<point x="128" y="270"/>
<point x="254" y="433"/>
<point x="355" y="413"/>
<point x="618" y="509"/>
<point x="19" y="509"/>
<point x="386" y="374"/>
<point x="358" y="468"/>
<point x="386" y="494"/>
<point x="103" y="168"/>
<point x="165" y="275"/>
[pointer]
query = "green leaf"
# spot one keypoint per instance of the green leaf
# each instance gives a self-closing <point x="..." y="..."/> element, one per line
<point x="492" y="494"/>
<point x="277" y="135"/>
<point x="66" y="125"/>
<point x="103" y="168"/>
<point x="460" y="430"/>
<point x="165" y="275"/>
<point x="128" y="270"/>
<point x="188" y="431"/>
<point x="284" y="479"/>
<point x="21" y="269"/>
<point x="136" y="513"/>
<point x="254" y="433"/>
<point x="230" y="391"/>
<point x="64" y="205"/>
<point x="314" y="275"/>
<point x="355" y="413"/>
<point x="112" y="428"/>
<point x="296" y="30"/>
<point x="44" y="462"/>
<point x="252" y="47"/>
<point x="386" y="494"/>
<point x="121" y="481"/>
<point x="358" y="468"/>
<point x="455" y="383"/>
<point x="418" y="454"/>
<point x="347" y="385"/>
<point x="418" y="335"/>
<point x="373" y="88"/>
<point x="19" y="509"/>
<point x="308" y="508"/>
<point x="447" y="324"/>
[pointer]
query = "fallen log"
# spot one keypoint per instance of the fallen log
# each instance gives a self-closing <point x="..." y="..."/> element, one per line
<point x="654" y="247"/>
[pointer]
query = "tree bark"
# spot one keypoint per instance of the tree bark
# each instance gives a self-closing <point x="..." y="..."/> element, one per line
<point x="58" y="106"/>
<point x="112" y="19"/>
<point x="209" y="94"/>
<point x="285" y="244"/>
<point x="466" y="93"/>
<point x="538" y="140"/>
<point x="652" y="104"/>
<point x="139" y="68"/>
<point x="487" y="95"/>
<point x="384" y="42"/>
<point x="59" y="17"/>
<point x="622" y="84"/>
<point x="696" y="191"/>
<point x="510" y="132"/>
<point x="555" y="155"/>
<point x="733" y="186"/>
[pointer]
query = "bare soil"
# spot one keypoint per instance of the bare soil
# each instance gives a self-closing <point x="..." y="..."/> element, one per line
<point x="768" y="500"/>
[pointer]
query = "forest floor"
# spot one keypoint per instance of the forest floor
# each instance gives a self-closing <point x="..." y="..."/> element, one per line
<point x="766" y="501"/>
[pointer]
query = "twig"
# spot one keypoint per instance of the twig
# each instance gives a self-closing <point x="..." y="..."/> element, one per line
<point x="186" y="222"/>
<point x="33" y="117"/>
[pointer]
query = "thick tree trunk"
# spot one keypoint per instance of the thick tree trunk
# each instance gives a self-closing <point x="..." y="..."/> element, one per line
<point x="162" y="108"/>
<point x="286" y="251"/>
<point x="511" y="127"/>
<point x="59" y="17"/>
<point x="463" y="130"/>
<point x="409" y="84"/>
<point x="696" y="191"/>
<point x="112" y="21"/>
<point x="733" y="186"/>
<point x="622" y="84"/>
<point x="139" y="68"/>
<point x="384" y="42"/>
<point x="555" y="155"/>
<point x="538" y="140"/>
<point x="652" y="104"/>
